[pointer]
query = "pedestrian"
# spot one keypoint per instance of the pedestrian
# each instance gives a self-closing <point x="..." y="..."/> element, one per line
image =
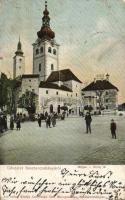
<point x="11" y="123"/>
<point x="46" y="115"/>
<point x="5" y="122"/>
<point x="48" y="121"/>
<point x="18" y="124"/>
<point x="113" y="128"/>
<point x="88" y="120"/>
<point x="53" y="119"/>
<point x="39" y="120"/>
<point x="1" y="125"/>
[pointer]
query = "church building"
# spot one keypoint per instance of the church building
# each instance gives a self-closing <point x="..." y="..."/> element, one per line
<point x="54" y="87"/>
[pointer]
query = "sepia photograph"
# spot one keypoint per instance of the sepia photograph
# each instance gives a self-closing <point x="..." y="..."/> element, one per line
<point x="62" y="82"/>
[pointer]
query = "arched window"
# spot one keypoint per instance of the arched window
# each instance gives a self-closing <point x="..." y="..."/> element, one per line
<point x="52" y="67"/>
<point x="54" y="51"/>
<point x="41" y="50"/>
<point x="37" y="51"/>
<point x="49" y="50"/>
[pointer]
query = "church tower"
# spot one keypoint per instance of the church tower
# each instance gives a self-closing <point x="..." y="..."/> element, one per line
<point x="18" y="61"/>
<point x="45" y="49"/>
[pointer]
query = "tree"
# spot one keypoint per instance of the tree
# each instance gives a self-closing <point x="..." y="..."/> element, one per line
<point x="89" y="108"/>
<point x="28" y="101"/>
<point x="99" y="95"/>
<point x="3" y="91"/>
<point x="45" y="103"/>
<point x="13" y="86"/>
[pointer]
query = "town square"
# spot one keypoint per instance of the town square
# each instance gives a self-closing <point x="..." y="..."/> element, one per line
<point x="62" y="97"/>
<point x="67" y="143"/>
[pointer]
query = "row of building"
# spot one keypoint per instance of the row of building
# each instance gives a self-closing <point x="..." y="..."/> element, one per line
<point x="55" y="87"/>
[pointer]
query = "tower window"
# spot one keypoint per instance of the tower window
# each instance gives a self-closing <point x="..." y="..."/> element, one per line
<point x="20" y="59"/>
<point x="40" y="67"/>
<point x="54" y="51"/>
<point x="57" y="93"/>
<point x="37" y="51"/>
<point x="46" y="91"/>
<point x="76" y="94"/>
<point x="49" y="50"/>
<point x="41" y="50"/>
<point x="19" y="67"/>
<point x="52" y="67"/>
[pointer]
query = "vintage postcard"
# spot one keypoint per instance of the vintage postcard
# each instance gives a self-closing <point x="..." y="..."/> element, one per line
<point x="62" y="99"/>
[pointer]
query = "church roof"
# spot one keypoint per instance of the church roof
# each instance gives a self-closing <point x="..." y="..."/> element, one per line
<point x="45" y="31"/>
<point x="19" y="49"/>
<point x="62" y="75"/>
<point x="54" y="86"/>
<point x="100" y="85"/>
<point x="30" y="76"/>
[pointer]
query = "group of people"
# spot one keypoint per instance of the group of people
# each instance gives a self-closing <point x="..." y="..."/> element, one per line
<point x="17" y="121"/>
<point x="113" y="126"/>
<point x="3" y="123"/>
<point x="50" y="119"/>
<point x="13" y="121"/>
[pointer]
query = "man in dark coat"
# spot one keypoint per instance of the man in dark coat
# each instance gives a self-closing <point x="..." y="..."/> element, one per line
<point x="1" y="125"/>
<point x="88" y="120"/>
<point x="48" y="121"/>
<point x="113" y="128"/>
<point x="39" y="120"/>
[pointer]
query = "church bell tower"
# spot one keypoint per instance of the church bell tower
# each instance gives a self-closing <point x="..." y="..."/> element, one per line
<point x="45" y="49"/>
<point x="18" y="61"/>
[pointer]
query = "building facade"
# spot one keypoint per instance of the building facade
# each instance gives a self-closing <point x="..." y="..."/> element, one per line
<point x="54" y="87"/>
<point x="100" y="94"/>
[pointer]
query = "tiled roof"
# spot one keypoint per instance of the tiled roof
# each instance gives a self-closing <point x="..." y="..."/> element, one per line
<point x="30" y="76"/>
<point x="54" y="86"/>
<point x="99" y="85"/>
<point x="62" y="75"/>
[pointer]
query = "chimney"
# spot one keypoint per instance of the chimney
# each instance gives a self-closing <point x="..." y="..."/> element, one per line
<point x="107" y="77"/>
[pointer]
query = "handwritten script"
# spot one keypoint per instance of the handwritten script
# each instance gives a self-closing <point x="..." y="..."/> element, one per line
<point x="75" y="183"/>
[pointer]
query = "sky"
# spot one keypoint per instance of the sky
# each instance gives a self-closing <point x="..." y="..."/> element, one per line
<point x="91" y="34"/>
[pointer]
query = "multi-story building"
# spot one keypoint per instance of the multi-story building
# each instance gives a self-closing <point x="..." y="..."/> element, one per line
<point x="54" y="87"/>
<point x="100" y="94"/>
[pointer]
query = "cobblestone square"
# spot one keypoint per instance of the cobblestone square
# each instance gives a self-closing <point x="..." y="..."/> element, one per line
<point x="67" y="143"/>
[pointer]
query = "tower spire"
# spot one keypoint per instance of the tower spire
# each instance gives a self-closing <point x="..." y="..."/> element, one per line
<point x="46" y="32"/>
<point x="19" y="48"/>
<point x="45" y="4"/>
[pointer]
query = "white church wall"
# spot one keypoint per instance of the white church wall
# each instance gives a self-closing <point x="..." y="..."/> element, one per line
<point x="53" y="96"/>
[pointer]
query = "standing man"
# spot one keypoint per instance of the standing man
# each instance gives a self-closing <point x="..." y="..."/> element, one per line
<point x="88" y="120"/>
<point x="39" y="120"/>
<point x="113" y="128"/>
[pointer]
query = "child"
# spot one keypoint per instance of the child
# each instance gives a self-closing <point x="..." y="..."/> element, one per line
<point x="113" y="128"/>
